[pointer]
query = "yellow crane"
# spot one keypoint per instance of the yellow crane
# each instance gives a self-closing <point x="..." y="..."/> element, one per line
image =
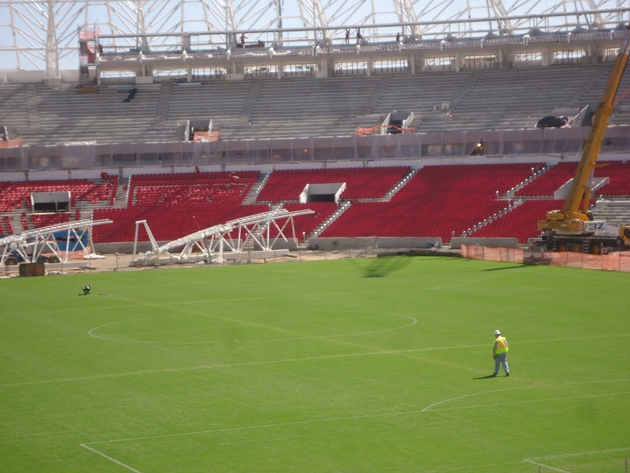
<point x="572" y="228"/>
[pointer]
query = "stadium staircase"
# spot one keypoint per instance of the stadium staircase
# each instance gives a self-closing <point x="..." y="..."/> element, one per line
<point x="120" y="199"/>
<point x="250" y="102"/>
<point x="306" y="225"/>
<point x="32" y="106"/>
<point x="13" y="223"/>
<point x="343" y="206"/>
<point x="161" y="114"/>
<point x="252" y="195"/>
<point x="615" y="212"/>
<point x="518" y="221"/>
<point x="399" y="185"/>
<point x="382" y="87"/>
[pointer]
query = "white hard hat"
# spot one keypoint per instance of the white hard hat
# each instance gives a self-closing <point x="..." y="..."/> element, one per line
<point x="497" y="332"/>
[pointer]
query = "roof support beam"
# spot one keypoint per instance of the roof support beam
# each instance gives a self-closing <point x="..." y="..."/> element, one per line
<point x="52" y="60"/>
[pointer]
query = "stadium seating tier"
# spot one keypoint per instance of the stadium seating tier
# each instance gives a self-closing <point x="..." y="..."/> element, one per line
<point x="439" y="201"/>
<point x="361" y="183"/>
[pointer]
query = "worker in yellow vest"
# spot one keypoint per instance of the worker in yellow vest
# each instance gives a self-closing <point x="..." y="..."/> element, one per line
<point x="499" y="353"/>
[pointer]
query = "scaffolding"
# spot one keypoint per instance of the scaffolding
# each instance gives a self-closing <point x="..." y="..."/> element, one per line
<point x="258" y="233"/>
<point x="53" y="244"/>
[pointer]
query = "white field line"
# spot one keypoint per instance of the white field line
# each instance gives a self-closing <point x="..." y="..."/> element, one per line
<point x="92" y="334"/>
<point x="600" y="381"/>
<point x="546" y="466"/>
<point x="110" y="458"/>
<point x="578" y="454"/>
<point x="568" y="455"/>
<point x="470" y="395"/>
<point x="529" y="401"/>
<point x="252" y="427"/>
<point x="236" y="365"/>
<point x="287" y="360"/>
<point x="333" y="419"/>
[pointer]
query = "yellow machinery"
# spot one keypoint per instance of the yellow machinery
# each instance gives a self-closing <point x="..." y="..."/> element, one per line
<point x="572" y="228"/>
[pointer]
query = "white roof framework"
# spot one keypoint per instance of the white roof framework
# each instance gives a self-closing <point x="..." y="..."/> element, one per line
<point x="42" y="34"/>
<point x="31" y="245"/>
<point x="210" y="244"/>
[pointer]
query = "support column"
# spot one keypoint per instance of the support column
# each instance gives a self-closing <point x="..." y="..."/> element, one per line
<point x="547" y="56"/>
<point x="52" y="76"/>
<point x="458" y="62"/>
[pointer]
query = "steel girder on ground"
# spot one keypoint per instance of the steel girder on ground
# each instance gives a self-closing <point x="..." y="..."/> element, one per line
<point x="42" y="34"/>
<point x="31" y="245"/>
<point x="211" y="244"/>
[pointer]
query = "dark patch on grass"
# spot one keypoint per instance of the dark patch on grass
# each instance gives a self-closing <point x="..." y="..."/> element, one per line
<point x="503" y="268"/>
<point x="382" y="267"/>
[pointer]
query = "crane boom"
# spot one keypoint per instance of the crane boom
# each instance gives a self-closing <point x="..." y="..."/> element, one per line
<point x="570" y="217"/>
<point x="594" y="141"/>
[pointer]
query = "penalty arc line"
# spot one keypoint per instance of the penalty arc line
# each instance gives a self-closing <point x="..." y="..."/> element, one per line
<point x="110" y="458"/>
<point x="469" y="395"/>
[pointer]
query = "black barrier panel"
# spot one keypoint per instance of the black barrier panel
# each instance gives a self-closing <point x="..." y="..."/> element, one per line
<point x="32" y="269"/>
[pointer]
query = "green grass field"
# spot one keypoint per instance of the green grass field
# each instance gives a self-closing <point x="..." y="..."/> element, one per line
<point x="369" y="365"/>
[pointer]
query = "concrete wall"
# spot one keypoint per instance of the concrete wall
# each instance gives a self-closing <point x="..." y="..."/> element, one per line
<point x="321" y="243"/>
<point x="59" y="174"/>
<point x="127" y="247"/>
<point x="30" y="77"/>
<point x="456" y="243"/>
<point x="123" y="248"/>
<point x="377" y="242"/>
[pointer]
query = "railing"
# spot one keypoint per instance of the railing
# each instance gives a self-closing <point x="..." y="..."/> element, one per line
<point x="383" y="37"/>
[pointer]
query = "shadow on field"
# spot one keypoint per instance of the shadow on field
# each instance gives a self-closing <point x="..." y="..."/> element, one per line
<point x="490" y="376"/>
<point x="383" y="266"/>
<point x="503" y="268"/>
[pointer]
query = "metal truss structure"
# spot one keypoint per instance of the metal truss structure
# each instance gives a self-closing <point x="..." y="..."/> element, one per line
<point x="31" y="246"/>
<point x="212" y="243"/>
<point x="42" y="34"/>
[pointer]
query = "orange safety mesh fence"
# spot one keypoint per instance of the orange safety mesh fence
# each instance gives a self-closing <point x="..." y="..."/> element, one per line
<point x="12" y="143"/>
<point x="207" y="136"/>
<point x="361" y="131"/>
<point x="618" y="261"/>
<point x="513" y="255"/>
